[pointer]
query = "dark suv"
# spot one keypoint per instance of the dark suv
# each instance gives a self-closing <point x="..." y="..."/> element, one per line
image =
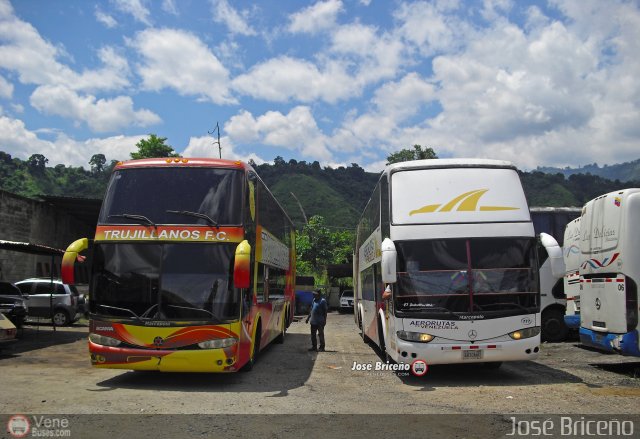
<point x="44" y="295"/>
<point x="12" y="304"/>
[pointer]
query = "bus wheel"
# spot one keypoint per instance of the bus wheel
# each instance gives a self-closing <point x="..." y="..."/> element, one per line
<point x="362" y="334"/>
<point x="254" y="352"/>
<point x="554" y="328"/>
<point x="383" y="347"/>
<point x="280" y="338"/>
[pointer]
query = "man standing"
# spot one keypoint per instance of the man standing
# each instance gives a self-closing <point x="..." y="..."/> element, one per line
<point x="318" y="316"/>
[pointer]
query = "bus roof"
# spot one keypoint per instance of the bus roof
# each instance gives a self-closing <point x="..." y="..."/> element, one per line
<point x="450" y="163"/>
<point x="183" y="161"/>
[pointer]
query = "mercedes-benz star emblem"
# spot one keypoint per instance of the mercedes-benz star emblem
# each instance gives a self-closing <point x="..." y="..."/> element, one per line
<point x="158" y="341"/>
<point x="472" y="334"/>
<point x="598" y="304"/>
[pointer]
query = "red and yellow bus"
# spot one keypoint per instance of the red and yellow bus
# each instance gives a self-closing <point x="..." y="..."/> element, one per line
<point x="193" y="267"/>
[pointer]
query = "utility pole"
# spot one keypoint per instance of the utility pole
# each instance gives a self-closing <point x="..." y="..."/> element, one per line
<point x="217" y="129"/>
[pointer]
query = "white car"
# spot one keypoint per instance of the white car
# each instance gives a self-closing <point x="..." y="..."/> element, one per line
<point x="346" y="301"/>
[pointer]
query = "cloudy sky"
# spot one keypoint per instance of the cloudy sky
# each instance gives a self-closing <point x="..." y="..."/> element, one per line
<point x="535" y="82"/>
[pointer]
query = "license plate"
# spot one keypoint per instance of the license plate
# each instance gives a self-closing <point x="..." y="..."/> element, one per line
<point x="472" y="355"/>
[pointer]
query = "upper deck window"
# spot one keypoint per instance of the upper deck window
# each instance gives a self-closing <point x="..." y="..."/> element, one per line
<point x="150" y="192"/>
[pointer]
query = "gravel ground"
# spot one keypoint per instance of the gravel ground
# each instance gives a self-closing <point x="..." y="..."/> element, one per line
<point x="49" y="373"/>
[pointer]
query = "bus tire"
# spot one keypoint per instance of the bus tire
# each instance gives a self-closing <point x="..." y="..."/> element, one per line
<point x="255" y="351"/>
<point x="554" y="329"/>
<point x="280" y="338"/>
<point x="362" y="334"/>
<point x="383" y="346"/>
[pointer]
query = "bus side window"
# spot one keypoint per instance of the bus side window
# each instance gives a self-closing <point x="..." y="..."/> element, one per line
<point x="262" y="284"/>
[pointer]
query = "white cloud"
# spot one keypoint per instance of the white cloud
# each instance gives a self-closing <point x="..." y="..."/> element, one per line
<point x="20" y="142"/>
<point x="204" y="147"/>
<point x="313" y="19"/>
<point x="99" y="114"/>
<point x="296" y="131"/>
<point x="236" y="22"/>
<point x="179" y="60"/>
<point x="105" y="19"/>
<point x="6" y="88"/>
<point x="284" y="78"/>
<point x="35" y="60"/>
<point x="135" y="8"/>
<point x="169" y="6"/>
<point x="404" y="98"/>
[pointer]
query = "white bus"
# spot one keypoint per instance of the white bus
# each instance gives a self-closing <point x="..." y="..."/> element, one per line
<point x="571" y="254"/>
<point x="454" y="242"/>
<point x="610" y="272"/>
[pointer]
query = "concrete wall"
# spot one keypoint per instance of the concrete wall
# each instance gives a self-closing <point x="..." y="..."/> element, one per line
<point x="26" y="220"/>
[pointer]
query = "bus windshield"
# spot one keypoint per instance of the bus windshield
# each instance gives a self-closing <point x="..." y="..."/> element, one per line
<point x="494" y="277"/>
<point x="164" y="282"/>
<point x="174" y="195"/>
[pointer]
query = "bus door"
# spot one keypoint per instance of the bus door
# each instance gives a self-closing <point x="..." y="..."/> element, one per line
<point x="369" y="285"/>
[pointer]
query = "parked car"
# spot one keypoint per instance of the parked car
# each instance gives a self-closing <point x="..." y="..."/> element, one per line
<point x="8" y="331"/>
<point x="346" y="301"/>
<point x="44" y="295"/>
<point x="13" y="304"/>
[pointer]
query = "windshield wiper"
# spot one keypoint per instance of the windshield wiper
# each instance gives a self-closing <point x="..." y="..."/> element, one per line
<point x="121" y="309"/>
<point x="204" y="216"/>
<point x="195" y="309"/>
<point x="134" y="217"/>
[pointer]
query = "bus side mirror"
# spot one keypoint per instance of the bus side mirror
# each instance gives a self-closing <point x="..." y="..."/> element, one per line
<point x="389" y="257"/>
<point x="241" y="267"/>
<point x="69" y="260"/>
<point x="554" y="251"/>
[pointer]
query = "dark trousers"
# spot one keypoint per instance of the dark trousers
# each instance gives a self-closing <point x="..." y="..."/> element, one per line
<point x="320" y="330"/>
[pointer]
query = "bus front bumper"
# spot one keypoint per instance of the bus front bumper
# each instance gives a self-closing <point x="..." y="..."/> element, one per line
<point x="573" y="321"/>
<point x="459" y="352"/>
<point x="203" y="360"/>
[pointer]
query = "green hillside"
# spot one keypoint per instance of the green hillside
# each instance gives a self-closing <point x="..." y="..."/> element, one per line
<point x="628" y="171"/>
<point x="339" y="195"/>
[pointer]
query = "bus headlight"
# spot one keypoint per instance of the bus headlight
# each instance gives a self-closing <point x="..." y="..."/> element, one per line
<point x="525" y="333"/>
<point x="103" y="340"/>
<point x="414" y="336"/>
<point x="217" y="343"/>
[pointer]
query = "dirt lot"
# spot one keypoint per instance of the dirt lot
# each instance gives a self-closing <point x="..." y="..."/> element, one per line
<point x="49" y="372"/>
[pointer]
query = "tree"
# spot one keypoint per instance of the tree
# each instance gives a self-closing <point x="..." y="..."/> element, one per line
<point x="313" y="245"/>
<point x="153" y="147"/>
<point x="97" y="162"/>
<point x="417" y="153"/>
<point x="37" y="163"/>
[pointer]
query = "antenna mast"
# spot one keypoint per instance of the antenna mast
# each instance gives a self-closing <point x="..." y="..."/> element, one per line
<point x="217" y="129"/>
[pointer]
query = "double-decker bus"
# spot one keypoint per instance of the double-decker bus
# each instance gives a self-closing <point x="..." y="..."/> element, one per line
<point x="453" y="243"/>
<point x="193" y="267"/>
<point x="610" y="272"/>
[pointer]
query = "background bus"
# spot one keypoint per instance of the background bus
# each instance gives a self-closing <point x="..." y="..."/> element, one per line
<point x="571" y="253"/>
<point x="455" y="242"/>
<point x="193" y="267"/>
<point x="610" y="272"/>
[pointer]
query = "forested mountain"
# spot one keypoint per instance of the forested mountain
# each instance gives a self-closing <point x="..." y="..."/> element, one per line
<point x="628" y="171"/>
<point x="339" y="195"/>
